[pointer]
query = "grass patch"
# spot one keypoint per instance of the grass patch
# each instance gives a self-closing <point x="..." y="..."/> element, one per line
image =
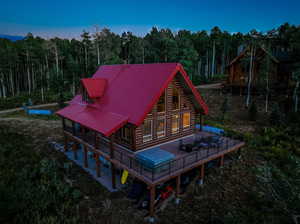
<point x="32" y="187"/>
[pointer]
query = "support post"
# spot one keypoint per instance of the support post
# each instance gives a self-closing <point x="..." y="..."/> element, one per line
<point x="152" y="201"/>
<point x="113" y="176"/>
<point x="201" y="174"/>
<point x="65" y="143"/>
<point x="64" y="123"/>
<point x="113" y="169"/>
<point x="98" y="165"/>
<point x="74" y="148"/>
<point x="85" y="154"/>
<point x="178" y="183"/>
<point x="222" y="161"/>
<point x="112" y="149"/>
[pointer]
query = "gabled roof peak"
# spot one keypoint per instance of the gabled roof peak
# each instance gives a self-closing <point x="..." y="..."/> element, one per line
<point x="95" y="87"/>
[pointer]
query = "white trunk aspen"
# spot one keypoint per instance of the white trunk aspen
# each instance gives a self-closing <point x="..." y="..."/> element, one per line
<point x="206" y="66"/>
<point x="143" y="55"/>
<point x="267" y="90"/>
<point x="3" y="88"/>
<point x="250" y="77"/>
<point x="98" y="53"/>
<point x="199" y="67"/>
<point x="56" y="60"/>
<point x="28" y="74"/>
<point x="33" y="77"/>
<point x="213" y="60"/>
<point x="85" y="57"/>
<point x="11" y="82"/>
<point x="223" y="60"/>
<point x="47" y="72"/>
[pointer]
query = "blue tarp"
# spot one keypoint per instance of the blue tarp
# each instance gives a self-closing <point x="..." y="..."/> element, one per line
<point x="215" y="130"/>
<point x="152" y="158"/>
<point x="40" y="112"/>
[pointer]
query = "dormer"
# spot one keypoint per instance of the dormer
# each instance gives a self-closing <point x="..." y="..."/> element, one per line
<point x="93" y="88"/>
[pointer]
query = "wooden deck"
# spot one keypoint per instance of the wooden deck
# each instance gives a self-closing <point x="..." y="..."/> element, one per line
<point x="183" y="162"/>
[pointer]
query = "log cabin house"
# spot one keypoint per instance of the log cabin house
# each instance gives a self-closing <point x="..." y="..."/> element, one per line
<point x="126" y="110"/>
<point x="279" y="69"/>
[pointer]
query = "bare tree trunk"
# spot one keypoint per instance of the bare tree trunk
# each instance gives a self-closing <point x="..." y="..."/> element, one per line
<point x="199" y="67"/>
<point x="296" y="95"/>
<point x="143" y="55"/>
<point x="11" y="82"/>
<point x="250" y="77"/>
<point x="56" y="60"/>
<point x="73" y="85"/>
<point x="223" y="60"/>
<point x="85" y="58"/>
<point x="267" y="92"/>
<point x="213" y="60"/>
<point x="28" y="74"/>
<point x="47" y="72"/>
<point x="3" y="87"/>
<point x="206" y="66"/>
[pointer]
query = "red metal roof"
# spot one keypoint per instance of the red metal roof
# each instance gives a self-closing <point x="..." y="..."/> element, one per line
<point x="93" y="118"/>
<point x="131" y="92"/>
<point x="95" y="87"/>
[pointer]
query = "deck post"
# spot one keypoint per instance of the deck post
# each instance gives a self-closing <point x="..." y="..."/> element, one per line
<point x="65" y="143"/>
<point x="152" y="201"/>
<point x="98" y="165"/>
<point x="222" y="161"/>
<point x="178" y="183"/>
<point x="201" y="174"/>
<point x="113" y="169"/>
<point x="64" y="123"/>
<point x="85" y="154"/>
<point x="74" y="148"/>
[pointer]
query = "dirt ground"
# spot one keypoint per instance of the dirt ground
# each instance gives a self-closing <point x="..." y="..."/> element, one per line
<point x="198" y="205"/>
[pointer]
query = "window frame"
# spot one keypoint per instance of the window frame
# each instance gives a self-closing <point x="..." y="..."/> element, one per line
<point x="165" y="103"/>
<point x="145" y="139"/>
<point x="186" y="127"/>
<point x="178" y="123"/>
<point x="177" y="109"/>
<point x="158" y="134"/>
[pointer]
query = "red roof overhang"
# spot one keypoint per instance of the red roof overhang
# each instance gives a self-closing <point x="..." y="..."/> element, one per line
<point x="95" y="87"/>
<point x="88" y="116"/>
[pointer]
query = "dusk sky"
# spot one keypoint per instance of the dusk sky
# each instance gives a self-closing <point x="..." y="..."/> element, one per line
<point x="66" y="18"/>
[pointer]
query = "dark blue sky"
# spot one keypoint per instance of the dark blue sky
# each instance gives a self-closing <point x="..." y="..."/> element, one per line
<point x="64" y="17"/>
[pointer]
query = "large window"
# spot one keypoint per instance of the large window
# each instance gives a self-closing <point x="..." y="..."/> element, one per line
<point x="161" y="104"/>
<point x="161" y="127"/>
<point x="175" y="123"/>
<point x="175" y="99"/>
<point x="147" y="130"/>
<point x="126" y="134"/>
<point x="186" y="120"/>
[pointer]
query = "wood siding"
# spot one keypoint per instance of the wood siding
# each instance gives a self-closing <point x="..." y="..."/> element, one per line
<point x="169" y="112"/>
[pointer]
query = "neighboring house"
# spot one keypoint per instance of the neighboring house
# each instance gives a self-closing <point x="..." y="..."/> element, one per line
<point x="141" y="114"/>
<point x="279" y="69"/>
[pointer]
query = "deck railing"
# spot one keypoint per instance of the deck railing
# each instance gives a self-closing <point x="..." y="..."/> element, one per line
<point x="167" y="169"/>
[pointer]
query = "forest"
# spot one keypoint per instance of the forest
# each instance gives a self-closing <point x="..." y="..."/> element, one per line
<point x="42" y="66"/>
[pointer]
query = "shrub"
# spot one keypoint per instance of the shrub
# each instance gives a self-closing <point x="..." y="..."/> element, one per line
<point x="252" y="112"/>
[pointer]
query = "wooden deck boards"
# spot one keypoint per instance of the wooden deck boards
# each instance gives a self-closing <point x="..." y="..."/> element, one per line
<point x="183" y="161"/>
